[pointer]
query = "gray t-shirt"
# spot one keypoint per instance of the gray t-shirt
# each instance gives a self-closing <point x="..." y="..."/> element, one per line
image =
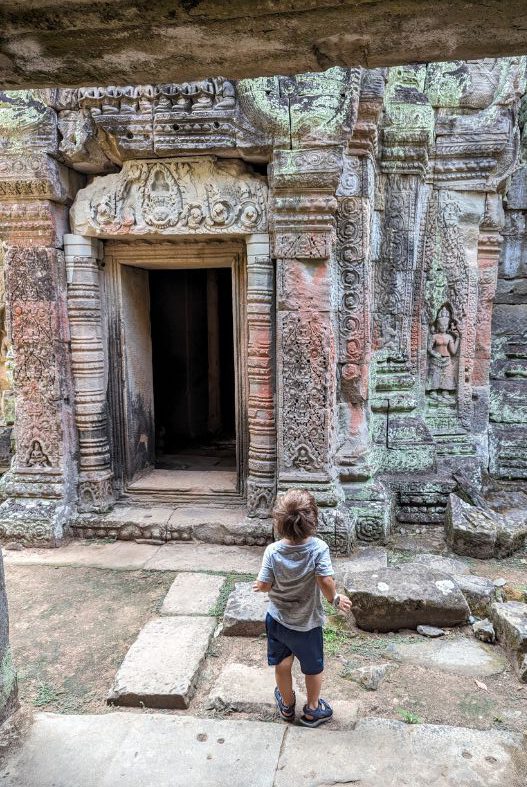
<point x="295" y="599"/>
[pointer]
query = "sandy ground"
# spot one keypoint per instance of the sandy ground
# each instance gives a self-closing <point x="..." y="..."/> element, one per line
<point x="71" y="627"/>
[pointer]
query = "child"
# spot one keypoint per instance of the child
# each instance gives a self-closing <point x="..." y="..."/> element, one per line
<point x="294" y="571"/>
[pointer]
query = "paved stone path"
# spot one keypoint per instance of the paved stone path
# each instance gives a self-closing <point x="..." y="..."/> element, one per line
<point x="139" y="749"/>
<point x="192" y="594"/>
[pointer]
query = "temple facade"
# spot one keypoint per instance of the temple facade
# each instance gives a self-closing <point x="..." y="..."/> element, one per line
<point x="216" y="291"/>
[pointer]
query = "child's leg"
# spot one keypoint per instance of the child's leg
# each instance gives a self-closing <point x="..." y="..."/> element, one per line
<point x="313" y="686"/>
<point x="284" y="679"/>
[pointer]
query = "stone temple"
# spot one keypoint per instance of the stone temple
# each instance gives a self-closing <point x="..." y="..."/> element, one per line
<point x="217" y="290"/>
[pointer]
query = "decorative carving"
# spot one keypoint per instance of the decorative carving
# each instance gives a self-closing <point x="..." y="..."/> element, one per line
<point x="305" y="391"/>
<point x="178" y="196"/>
<point x="443" y="348"/>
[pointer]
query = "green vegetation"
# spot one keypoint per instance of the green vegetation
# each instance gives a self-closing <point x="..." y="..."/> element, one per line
<point x="409" y="717"/>
<point x="228" y="586"/>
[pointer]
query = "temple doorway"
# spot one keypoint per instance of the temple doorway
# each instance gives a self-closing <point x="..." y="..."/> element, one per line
<point x="193" y="369"/>
<point x="178" y="378"/>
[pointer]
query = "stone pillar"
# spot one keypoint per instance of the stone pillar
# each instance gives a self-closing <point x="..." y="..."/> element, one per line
<point x="34" y="192"/>
<point x="90" y="372"/>
<point x="304" y="184"/>
<point x="8" y="682"/>
<point x="261" y="477"/>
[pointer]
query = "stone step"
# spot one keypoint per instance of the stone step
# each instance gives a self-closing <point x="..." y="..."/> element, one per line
<point x="140" y="749"/>
<point x="510" y="623"/>
<point x="161" y="668"/>
<point x="192" y="594"/>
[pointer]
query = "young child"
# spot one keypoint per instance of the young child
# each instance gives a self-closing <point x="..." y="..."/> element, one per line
<point x="294" y="572"/>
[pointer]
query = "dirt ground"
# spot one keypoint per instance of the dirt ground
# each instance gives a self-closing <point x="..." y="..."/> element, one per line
<point x="71" y="627"/>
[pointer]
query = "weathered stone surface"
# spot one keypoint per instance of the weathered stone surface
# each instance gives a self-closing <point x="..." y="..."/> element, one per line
<point x="363" y="559"/>
<point x="462" y="656"/>
<point x="481" y="533"/>
<point x="161" y="667"/>
<point x="479" y="592"/>
<point x="430" y="631"/>
<point x="192" y="594"/>
<point x="369" y="677"/>
<point x="510" y="623"/>
<point x="440" y="755"/>
<point x="245" y="612"/>
<point x="391" y="599"/>
<point x="484" y="631"/>
<point x="8" y="680"/>
<point x="240" y="687"/>
<point x="137" y="749"/>
<point x="448" y="565"/>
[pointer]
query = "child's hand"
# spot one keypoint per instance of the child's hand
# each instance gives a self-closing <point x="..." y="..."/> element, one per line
<point x="256" y="586"/>
<point x="344" y="604"/>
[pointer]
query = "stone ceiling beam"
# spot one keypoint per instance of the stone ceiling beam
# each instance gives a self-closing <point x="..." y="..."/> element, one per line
<point x="78" y="42"/>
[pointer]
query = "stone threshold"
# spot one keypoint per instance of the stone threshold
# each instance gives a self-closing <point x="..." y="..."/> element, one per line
<point x="169" y="749"/>
<point x="158" y="524"/>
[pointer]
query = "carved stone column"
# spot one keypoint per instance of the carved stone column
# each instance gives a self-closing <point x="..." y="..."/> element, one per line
<point x="34" y="190"/>
<point x="261" y="479"/>
<point x="304" y="183"/>
<point x="90" y="373"/>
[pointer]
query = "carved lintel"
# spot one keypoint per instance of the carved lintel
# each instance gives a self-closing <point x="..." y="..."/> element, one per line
<point x="302" y="245"/>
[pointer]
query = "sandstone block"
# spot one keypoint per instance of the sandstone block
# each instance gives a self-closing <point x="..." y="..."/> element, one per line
<point x="448" y="565"/>
<point x="362" y="559"/>
<point x="480" y="592"/>
<point x="484" y="631"/>
<point x="461" y="656"/>
<point x="192" y="594"/>
<point x="482" y="533"/>
<point x="240" y="687"/>
<point x="370" y="677"/>
<point x="161" y="668"/>
<point x="392" y="599"/>
<point x="510" y="622"/>
<point x="245" y="612"/>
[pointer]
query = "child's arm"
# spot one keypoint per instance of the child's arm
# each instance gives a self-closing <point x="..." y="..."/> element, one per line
<point x="329" y="588"/>
<point x="264" y="581"/>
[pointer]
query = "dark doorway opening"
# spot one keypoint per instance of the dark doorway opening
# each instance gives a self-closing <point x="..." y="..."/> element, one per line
<point x="193" y="368"/>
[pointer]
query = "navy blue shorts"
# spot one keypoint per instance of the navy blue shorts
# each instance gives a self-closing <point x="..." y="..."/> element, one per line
<point x="307" y="646"/>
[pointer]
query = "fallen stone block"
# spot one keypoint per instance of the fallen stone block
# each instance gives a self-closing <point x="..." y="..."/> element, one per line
<point x="245" y="612"/>
<point x="369" y="677"/>
<point x="460" y="656"/>
<point x="510" y="623"/>
<point x="480" y="592"/>
<point x="395" y="598"/>
<point x="244" y="688"/>
<point x="161" y="668"/>
<point x="448" y="565"/>
<point x="484" y="631"/>
<point x="192" y="594"/>
<point x="362" y="559"/>
<point x="482" y="533"/>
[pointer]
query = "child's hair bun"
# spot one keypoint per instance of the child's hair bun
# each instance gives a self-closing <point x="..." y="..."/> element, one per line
<point x="296" y="515"/>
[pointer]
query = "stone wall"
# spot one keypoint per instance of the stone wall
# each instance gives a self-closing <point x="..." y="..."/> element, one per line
<point x="389" y="195"/>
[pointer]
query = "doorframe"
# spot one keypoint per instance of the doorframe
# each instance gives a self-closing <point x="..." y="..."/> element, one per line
<point x="174" y="255"/>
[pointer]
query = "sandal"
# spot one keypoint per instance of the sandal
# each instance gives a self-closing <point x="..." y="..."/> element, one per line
<point x="323" y="713"/>
<point x="287" y="712"/>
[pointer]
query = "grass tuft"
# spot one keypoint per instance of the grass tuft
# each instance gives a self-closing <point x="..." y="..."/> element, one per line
<point x="228" y="586"/>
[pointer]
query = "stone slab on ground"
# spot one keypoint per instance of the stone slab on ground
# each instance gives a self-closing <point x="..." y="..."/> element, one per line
<point x="448" y="565"/>
<point x="192" y="594"/>
<point x="140" y="749"/>
<point x="120" y="555"/>
<point x="161" y="668"/>
<point x="482" y="533"/>
<point x="206" y="557"/>
<point x="362" y="559"/>
<point x="461" y="656"/>
<point x="245" y="688"/>
<point x="245" y="612"/>
<point x="382" y="753"/>
<point x="395" y="598"/>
